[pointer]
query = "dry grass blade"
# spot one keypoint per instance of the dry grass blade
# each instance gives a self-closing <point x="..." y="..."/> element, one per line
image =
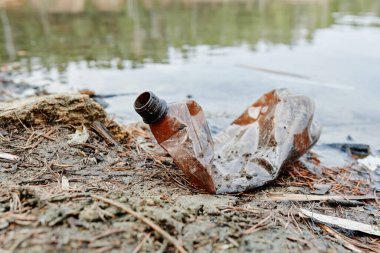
<point x="372" y="245"/>
<point x="147" y="221"/>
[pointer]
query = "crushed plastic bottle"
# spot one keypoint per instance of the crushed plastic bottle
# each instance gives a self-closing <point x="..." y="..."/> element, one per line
<point x="274" y="131"/>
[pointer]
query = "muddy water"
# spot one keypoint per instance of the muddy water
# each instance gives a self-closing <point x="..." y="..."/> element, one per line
<point x="224" y="54"/>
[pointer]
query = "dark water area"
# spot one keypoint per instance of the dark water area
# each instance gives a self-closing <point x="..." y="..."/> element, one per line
<point x="224" y="54"/>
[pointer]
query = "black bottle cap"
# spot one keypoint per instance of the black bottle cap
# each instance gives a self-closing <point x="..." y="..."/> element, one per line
<point x="151" y="108"/>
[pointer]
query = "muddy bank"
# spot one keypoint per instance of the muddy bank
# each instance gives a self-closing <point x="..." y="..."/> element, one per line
<point x="49" y="193"/>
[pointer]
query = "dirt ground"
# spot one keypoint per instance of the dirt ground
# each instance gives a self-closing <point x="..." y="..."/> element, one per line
<point x="61" y="197"/>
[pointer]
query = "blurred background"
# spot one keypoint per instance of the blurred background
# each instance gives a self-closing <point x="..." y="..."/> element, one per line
<point x="224" y="54"/>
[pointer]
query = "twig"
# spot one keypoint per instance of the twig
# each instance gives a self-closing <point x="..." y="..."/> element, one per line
<point x="345" y="243"/>
<point x="252" y="229"/>
<point x="139" y="246"/>
<point x="104" y="249"/>
<point x="295" y="239"/>
<point x="27" y="129"/>
<point x="21" y="240"/>
<point x="241" y="209"/>
<point x="147" y="221"/>
<point x="101" y="130"/>
<point x="108" y="233"/>
<point x="38" y="142"/>
<point x="376" y="198"/>
<point x="295" y="222"/>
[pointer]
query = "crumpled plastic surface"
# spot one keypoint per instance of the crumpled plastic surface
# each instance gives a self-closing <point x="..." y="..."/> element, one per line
<point x="274" y="131"/>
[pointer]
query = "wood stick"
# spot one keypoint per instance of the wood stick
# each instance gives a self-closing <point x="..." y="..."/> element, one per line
<point x="306" y="197"/>
<point x="342" y="223"/>
<point x="100" y="129"/>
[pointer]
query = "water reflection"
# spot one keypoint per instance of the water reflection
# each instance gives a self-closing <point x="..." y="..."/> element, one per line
<point x="58" y="6"/>
<point x="57" y="32"/>
<point x="224" y="53"/>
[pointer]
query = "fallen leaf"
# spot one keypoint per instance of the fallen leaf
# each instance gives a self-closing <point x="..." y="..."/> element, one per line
<point x="80" y="137"/>
<point x="65" y="183"/>
<point x="9" y="157"/>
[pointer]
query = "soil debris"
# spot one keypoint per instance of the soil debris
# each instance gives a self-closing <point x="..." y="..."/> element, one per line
<point x="97" y="196"/>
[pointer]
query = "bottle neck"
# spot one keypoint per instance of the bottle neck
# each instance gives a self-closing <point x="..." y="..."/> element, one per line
<point x="150" y="107"/>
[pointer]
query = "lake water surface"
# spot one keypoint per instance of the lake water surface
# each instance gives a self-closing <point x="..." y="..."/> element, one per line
<point x="224" y="54"/>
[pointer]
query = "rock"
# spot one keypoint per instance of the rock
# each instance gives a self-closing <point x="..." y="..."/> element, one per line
<point x="89" y="214"/>
<point x="94" y="212"/>
<point x="3" y="224"/>
<point x="321" y="189"/>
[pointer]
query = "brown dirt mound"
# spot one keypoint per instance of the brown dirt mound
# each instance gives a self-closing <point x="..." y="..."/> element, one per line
<point x="62" y="109"/>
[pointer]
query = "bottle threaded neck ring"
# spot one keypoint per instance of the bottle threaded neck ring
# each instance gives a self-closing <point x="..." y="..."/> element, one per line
<point x="150" y="107"/>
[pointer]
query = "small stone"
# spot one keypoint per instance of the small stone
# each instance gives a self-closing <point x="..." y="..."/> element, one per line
<point x="3" y="224"/>
<point x="321" y="189"/>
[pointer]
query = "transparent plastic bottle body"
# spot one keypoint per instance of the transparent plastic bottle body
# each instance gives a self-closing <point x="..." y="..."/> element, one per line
<point x="273" y="132"/>
<point x="185" y="135"/>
